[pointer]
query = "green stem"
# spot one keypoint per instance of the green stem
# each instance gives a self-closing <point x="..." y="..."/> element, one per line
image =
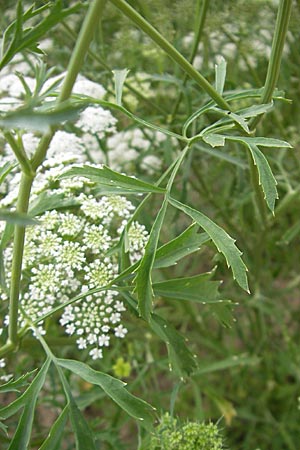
<point x="281" y="28"/>
<point x="171" y="51"/>
<point x="77" y="59"/>
<point x="18" y="247"/>
<point x="19" y="154"/>
<point x="200" y="20"/>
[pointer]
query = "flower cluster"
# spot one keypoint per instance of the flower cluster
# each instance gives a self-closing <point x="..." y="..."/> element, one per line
<point x="71" y="253"/>
<point x="191" y="436"/>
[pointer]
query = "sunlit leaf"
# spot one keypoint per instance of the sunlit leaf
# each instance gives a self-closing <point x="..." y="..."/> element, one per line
<point x="220" y="69"/>
<point x="265" y="176"/>
<point x="120" y="77"/>
<point x="214" y="140"/>
<point x="114" y="388"/>
<point x="224" y="243"/>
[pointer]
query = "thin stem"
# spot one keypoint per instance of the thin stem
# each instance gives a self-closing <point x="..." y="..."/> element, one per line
<point x="19" y="154"/>
<point x="18" y="247"/>
<point x="281" y="28"/>
<point x="171" y="51"/>
<point x="77" y="59"/>
<point x="200" y="20"/>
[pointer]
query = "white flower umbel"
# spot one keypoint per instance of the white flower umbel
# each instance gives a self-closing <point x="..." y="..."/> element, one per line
<point x="97" y="121"/>
<point x="69" y="254"/>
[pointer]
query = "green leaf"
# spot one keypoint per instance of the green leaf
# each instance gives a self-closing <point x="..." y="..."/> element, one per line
<point x="198" y="288"/>
<point x="223" y="242"/>
<point x="53" y="440"/>
<point x="186" y="243"/>
<point x="256" y="110"/>
<point x="260" y="141"/>
<point x="265" y="176"/>
<point x="120" y="77"/>
<point x="83" y="435"/>
<point x="220" y="69"/>
<point x="240" y="121"/>
<point x="227" y="363"/>
<point x="15" y="385"/>
<point x="47" y="201"/>
<point x="21" y="437"/>
<point x="5" y="170"/>
<point x="214" y="140"/>
<point x="143" y="282"/>
<point x="106" y="177"/>
<point x="24" y="39"/>
<point x="39" y="120"/>
<point x="114" y="388"/>
<point x="29" y="395"/>
<point x="181" y="358"/>
<point x="17" y="218"/>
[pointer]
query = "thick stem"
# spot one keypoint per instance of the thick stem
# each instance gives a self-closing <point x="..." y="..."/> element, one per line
<point x="171" y="51"/>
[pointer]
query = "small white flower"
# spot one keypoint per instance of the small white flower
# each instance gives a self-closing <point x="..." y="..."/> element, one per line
<point x="81" y="342"/>
<point x="120" y="331"/>
<point x="103" y="340"/>
<point x="2" y="363"/>
<point x="96" y="353"/>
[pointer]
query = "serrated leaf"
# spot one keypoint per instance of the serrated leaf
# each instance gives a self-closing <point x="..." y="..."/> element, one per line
<point x="15" y="385"/>
<point x="143" y="281"/>
<point x="265" y="176"/>
<point x="29" y="395"/>
<point x="114" y="388"/>
<point x="17" y="218"/>
<point x="224" y="243"/>
<point x="220" y="69"/>
<point x="198" y="288"/>
<point x="105" y="176"/>
<point x="214" y="140"/>
<point x="21" y="437"/>
<point x="120" y="77"/>
<point x="186" y="243"/>
<point x="181" y="358"/>
<point x="53" y="440"/>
